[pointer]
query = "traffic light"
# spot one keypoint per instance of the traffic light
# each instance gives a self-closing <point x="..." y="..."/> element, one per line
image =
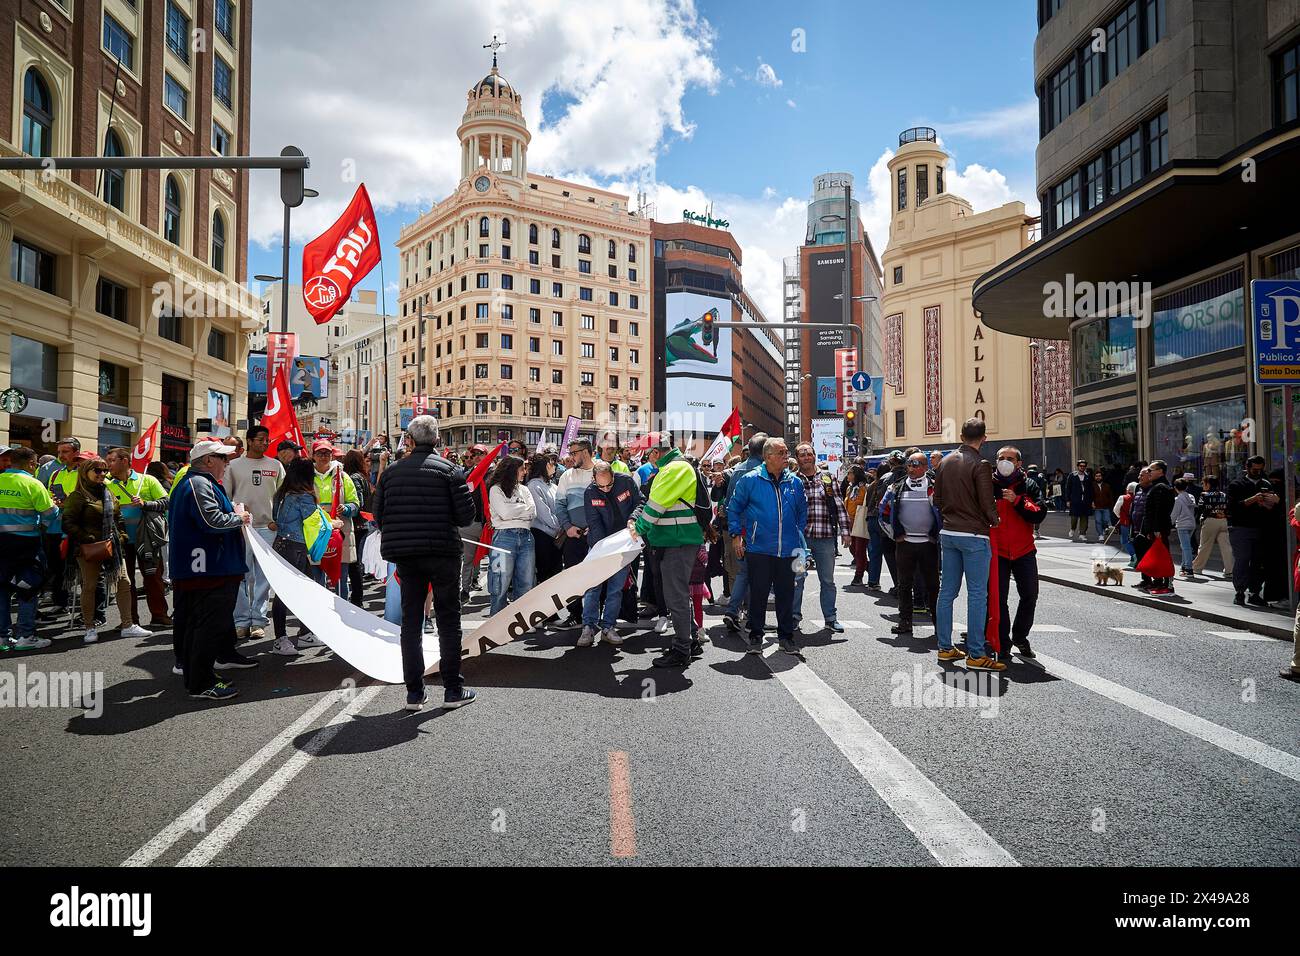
<point x="709" y="318"/>
<point x="850" y="422"/>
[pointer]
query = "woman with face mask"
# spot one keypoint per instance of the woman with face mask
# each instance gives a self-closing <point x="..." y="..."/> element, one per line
<point x="1021" y="509"/>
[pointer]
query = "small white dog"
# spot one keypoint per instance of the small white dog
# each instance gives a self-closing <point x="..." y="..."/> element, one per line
<point x="1104" y="572"/>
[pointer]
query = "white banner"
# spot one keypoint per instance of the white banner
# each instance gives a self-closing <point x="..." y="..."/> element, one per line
<point x="374" y="646"/>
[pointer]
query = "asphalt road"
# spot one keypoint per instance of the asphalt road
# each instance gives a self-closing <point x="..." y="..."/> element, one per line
<point x="1177" y="747"/>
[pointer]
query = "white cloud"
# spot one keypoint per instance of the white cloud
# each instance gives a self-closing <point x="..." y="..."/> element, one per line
<point x="383" y="104"/>
<point x="1016" y="125"/>
<point x="766" y="76"/>
<point x="790" y="103"/>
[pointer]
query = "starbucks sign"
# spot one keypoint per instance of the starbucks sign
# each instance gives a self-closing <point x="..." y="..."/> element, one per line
<point x="13" y="400"/>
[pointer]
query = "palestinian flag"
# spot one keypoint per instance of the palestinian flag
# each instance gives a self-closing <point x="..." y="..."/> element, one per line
<point x="728" y="435"/>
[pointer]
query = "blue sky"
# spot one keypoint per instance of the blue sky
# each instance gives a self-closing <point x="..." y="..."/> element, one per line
<point x="693" y="103"/>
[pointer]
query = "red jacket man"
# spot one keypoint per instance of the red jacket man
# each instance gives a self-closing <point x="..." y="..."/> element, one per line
<point x="1020" y="510"/>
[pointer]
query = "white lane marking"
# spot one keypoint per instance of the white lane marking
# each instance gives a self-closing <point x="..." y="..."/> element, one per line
<point x="186" y="822"/>
<point x="859" y="624"/>
<point x="1229" y="740"/>
<point x="1051" y="629"/>
<point x="952" y="838"/>
<point x="242" y="815"/>
<point x="1241" y="636"/>
<point x="1141" y="632"/>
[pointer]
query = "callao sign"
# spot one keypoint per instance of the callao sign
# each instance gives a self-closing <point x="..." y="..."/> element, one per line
<point x="339" y="258"/>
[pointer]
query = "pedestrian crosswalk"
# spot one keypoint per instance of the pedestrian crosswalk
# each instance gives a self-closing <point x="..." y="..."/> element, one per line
<point x="1141" y="632"/>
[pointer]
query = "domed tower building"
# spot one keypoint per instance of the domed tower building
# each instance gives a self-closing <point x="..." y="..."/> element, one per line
<point x="942" y="365"/>
<point x="524" y="299"/>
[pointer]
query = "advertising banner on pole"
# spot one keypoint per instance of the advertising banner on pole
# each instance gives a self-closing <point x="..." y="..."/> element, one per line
<point x="846" y="363"/>
<point x="828" y="442"/>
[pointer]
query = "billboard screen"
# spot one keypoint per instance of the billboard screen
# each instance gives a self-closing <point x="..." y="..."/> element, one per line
<point x="307" y="373"/>
<point x="697" y="376"/>
<point x="219" y="412"/>
<point x="828" y="442"/>
<point x="825" y="282"/>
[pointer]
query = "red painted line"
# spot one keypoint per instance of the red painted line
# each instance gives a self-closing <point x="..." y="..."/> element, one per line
<point x="622" y="826"/>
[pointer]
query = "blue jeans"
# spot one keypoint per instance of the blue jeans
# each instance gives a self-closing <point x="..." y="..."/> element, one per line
<point x="515" y="568"/>
<point x="968" y="555"/>
<point x="874" y="554"/>
<point x="823" y="552"/>
<point x="739" y="588"/>
<point x="1101" y="521"/>
<point x="392" y="597"/>
<point x="1185" y="542"/>
<point x="613" y="588"/>
<point x="26" y="626"/>
<point x="1126" y="540"/>
<point x="251" y="599"/>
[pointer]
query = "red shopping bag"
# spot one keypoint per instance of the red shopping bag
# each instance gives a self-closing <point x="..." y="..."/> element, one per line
<point x="1157" y="563"/>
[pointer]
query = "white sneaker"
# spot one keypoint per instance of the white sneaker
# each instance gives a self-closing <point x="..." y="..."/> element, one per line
<point x="91" y="637"/>
<point x="256" y="633"/>
<point x="661" y="626"/>
<point x="587" y="637"/>
<point x="284" y="647"/>
<point x="32" y="643"/>
<point x="135" y="630"/>
<point x="610" y="636"/>
<point x="178" y="670"/>
<point x="309" y="640"/>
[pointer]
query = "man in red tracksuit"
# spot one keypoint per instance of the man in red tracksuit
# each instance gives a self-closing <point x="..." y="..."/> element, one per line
<point x="1020" y="509"/>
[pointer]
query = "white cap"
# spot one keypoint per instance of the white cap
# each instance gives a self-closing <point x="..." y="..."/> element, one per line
<point x="211" y="448"/>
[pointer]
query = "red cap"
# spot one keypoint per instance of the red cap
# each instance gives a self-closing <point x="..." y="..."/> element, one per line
<point x="322" y="444"/>
<point x="481" y="449"/>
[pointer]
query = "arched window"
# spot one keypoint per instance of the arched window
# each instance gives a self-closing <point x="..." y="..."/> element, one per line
<point x="532" y="234"/>
<point x="172" y="212"/>
<point x="613" y="249"/>
<point x="218" y="242"/>
<point x="38" y="115"/>
<point x="631" y="252"/>
<point x="428" y="251"/>
<point x="584" y="244"/>
<point x="114" y="179"/>
<point x="555" y="238"/>
<point x="484" y="227"/>
<point x="505" y="228"/>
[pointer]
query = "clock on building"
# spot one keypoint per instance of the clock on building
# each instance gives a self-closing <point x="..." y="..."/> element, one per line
<point x="482" y="183"/>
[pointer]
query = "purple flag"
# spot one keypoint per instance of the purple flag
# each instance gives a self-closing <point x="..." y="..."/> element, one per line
<point x="570" y="433"/>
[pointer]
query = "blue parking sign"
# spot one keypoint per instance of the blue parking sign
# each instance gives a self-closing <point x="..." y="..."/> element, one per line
<point x="1275" y="330"/>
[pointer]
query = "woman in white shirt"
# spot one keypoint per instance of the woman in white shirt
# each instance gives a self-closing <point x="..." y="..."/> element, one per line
<point x="541" y="485"/>
<point x="512" y="512"/>
<point x="1184" y="521"/>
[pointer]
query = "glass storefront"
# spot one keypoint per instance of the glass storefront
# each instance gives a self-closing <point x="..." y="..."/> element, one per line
<point x="1108" y="444"/>
<point x="1203" y="439"/>
<point x="1275" y="452"/>
<point x="1103" y="350"/>
<point x="114" y="414"/>
<point x="33" y="369"/>
<point x="176" y="441"/>
<point x="1204" y="318"/>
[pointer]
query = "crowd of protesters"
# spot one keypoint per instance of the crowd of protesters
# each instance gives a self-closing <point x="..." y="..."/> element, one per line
<point x="731" y="531"/>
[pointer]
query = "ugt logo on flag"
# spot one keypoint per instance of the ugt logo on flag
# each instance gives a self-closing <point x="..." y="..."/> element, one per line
<point x="339" y="258"/>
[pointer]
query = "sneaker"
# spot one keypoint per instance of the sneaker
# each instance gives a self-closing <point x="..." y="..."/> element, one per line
<point x="29" y="643"/>
<point x="673" y="658"/>
<point x="1161" y="591"/>
<point x="256" y="633"/>
<point x="241" y="633"/>
<point x="984" y="664"/>
<point x="856" y="582"/>
<point x="610" y="636"/>
<point x="892" y="592"/>
<point x="1240" y="599"/>
<point x="697" y="649"/>
<point x="135" y="630"/>
<point x="91" y="637"/>
<point x="100" y="620"/>
<point x="284" y="647"/>
<point x="789" y="646"/>
<point x="951" y="654"/>
<point x="835" y="626"/>
<point x="460" y="699"/>
<point x="219" y="691"/>
<point x="428" y="625"/>
<point x="754" y="645"/>
<point x="587" y="637"/>
<point x="1257" y="600"/>
<point x="308" y="639"/>
<point x="731" y="623"/>
<point x="464" y="595"/>
<point x="903" y="630"/>
<point x="873" y="585"/>
<point x="160" y="620"/>
<point x="1023" y="647"/>
<point x="661" y="626"/>
<point x="237" y="663"/>
<point x="416" y="700"/>
<point x="178" y="670"/>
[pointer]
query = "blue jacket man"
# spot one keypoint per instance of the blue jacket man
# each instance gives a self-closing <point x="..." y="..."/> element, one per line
<point x="206" y="556"/>
<point x="766" y="517"/>
<point x="740" y="584"/>
<point x="610" y="502"/>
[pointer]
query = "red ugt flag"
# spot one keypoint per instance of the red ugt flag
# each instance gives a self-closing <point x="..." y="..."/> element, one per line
<point x="477" y="484"/>
<point x="339" y="258"/>
<point x="279" y="418"/>
<point x="142" y="453"/>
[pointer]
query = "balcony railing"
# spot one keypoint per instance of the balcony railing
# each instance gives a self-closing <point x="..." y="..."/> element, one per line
<point x="918" y="134"/>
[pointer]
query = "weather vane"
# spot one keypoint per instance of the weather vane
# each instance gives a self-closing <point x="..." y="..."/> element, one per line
<point x="494" y="46"/>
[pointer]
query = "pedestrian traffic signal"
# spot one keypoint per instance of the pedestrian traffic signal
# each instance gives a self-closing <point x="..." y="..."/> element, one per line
<point x="709" y="318"/>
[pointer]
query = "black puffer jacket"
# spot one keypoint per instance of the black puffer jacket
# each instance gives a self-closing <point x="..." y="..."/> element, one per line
<point x="419" y="504"/>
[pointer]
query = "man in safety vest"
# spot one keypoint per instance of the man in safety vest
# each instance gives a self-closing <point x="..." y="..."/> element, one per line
<point x="329" y="474"/>
<point x="137" y="495"/>
<point x="25" y="505"/>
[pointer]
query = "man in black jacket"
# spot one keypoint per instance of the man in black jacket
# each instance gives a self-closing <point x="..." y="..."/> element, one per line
<point x="419" y="505"/>
<point x="1252" y="507"/>
<point x="1078" y="496"/>
<point x="1157" y="522"/>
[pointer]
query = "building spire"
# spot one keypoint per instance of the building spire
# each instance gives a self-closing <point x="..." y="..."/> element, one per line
<point x="494" y="46"/>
